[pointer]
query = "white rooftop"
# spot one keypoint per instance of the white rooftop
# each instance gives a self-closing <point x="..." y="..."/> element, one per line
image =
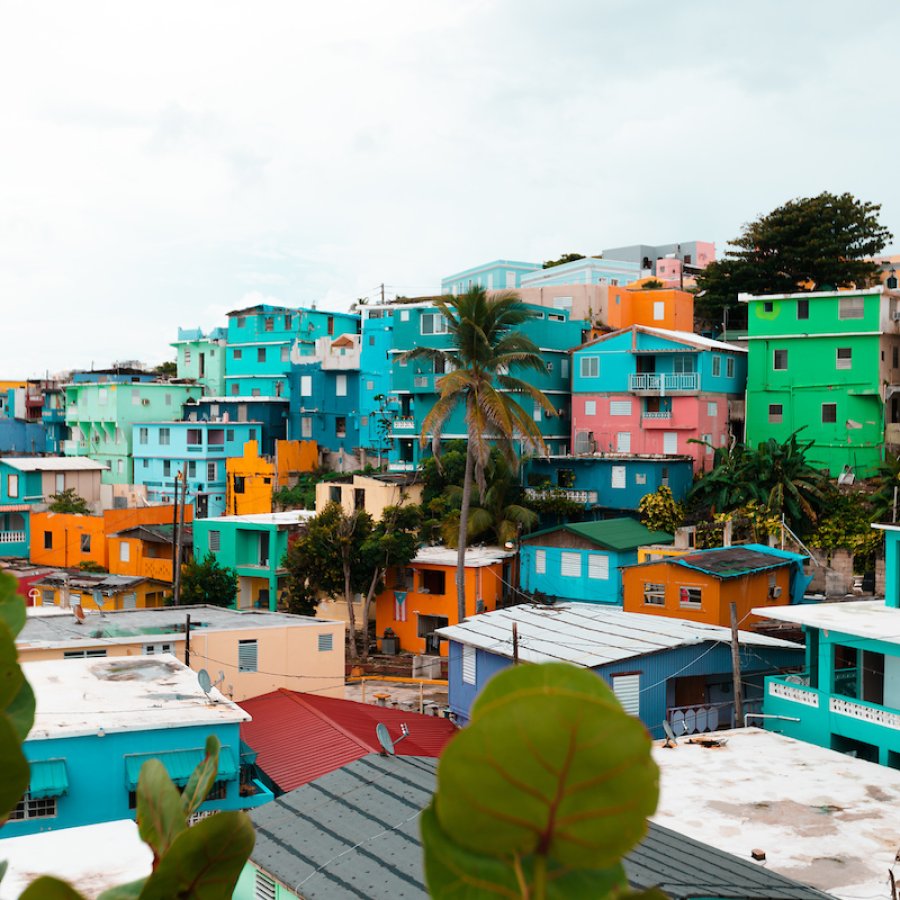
<point x="684" y="337"/>
<point x="822" y="818"/>
<point x="53" y="463"/>
<point x="288" y="517"/>
<point x="77" y="697"/>
<point x="475" y="556"/>
<point x="588" y="634"/>
<point x="862" y="618"/>
<point x="92" y="858"/>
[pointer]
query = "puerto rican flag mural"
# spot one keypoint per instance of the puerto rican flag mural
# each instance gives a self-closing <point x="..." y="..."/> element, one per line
<point x="399" y="606"/>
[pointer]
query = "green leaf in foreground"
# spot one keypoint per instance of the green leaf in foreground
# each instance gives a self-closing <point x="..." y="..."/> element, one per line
<point x="202" y="778"/>
<point x="14" y="767"/>
<point x="47" y="888"/>
<point x="549" y="766"/>
<point x="12" y="606"/>
<point x="160" y="815"/>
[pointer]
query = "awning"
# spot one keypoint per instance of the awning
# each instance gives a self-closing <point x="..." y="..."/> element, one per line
<point x="48" y="778"/>
<point x="180" y="764"/>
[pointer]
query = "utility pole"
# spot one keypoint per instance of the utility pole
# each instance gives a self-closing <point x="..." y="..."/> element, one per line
<point x="187" y="640"/>
<point x="736" y="670"/>
<point x="515" y="643"/>
<point x="382" y="294"/>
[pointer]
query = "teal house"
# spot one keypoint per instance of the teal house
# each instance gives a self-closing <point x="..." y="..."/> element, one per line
<point x="254" y="546"/>
<point x="847" y="697"/>
<point x="100" y="720"/>
<point x="583" y="561"/>
<point x="201" y="358"/>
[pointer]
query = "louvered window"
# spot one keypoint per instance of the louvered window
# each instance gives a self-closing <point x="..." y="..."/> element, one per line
<point x="598" y="566"/>
<point x="326" y="642"/>
<point x="468" y="665"/>
<point x="540" y="561"/>
<point x="627" y="689"/>
<point x="265" y="888"/>
<point x="570" y="565"/>
<point x="620" y="407"/>
<point x="214" y="540"/>
<point x="247" y="656"/>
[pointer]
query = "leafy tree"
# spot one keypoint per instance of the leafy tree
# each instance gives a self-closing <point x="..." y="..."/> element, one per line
<point x="652" y="284"/>
<point x="552" y="500"/>
<point x="660" y="511"/>
<point x="885" y="482"/>
<point x="565" y="258"/>
<point x="811" y="242"/>
<point x="206" y="582"/>
<point x="486" y="346"/>
<point x="847" y="525"/>
<point x="167" y="369"/>
<point x="67" y="501"/>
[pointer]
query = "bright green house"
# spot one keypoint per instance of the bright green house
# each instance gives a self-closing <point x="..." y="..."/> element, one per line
<point x="827" y="362"/>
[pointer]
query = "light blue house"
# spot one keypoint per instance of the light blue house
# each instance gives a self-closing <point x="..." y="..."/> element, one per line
<point x="263" y="340"/>
<point x="583" y="560"/>
<point x="163" y="449"/>
<point x="377" y="406"/>
<point x="201" y="357"/>
<point x="269" y="413"/>
<point x="498" y="275"/>
<point x="584" y="271"/>
<point x="848" y="695"/>
<point x="99" y="720"/>
<point x="661" y="670"/>
<point x="415" y="381"/>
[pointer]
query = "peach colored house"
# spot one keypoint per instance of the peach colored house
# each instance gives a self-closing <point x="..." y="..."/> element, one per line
<point x="369" y="492"/>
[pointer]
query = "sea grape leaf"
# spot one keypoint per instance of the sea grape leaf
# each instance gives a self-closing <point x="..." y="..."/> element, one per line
<point x="160" y="815"/>
<point x="14" y="767"/>
<point x="202" y="778"/>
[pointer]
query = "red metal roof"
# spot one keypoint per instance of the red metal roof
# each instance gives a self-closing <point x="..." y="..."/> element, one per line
<point x="300" y="737"/>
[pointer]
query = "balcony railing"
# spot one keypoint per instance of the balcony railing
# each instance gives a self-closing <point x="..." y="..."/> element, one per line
<point x="794" y="690"/>
<point x="12" y="537"/>
<point x="865" y="712"/>
<point x="658" y="414"/>
<point x="407" y="424"/>
<point x="587" y="497"/>
<point x="664" y="384"/>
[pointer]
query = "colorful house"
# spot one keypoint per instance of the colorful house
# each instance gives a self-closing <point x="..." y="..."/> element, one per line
<point x="827" y="362"/>
<point x="271" y="413"/>
<point x="701" y="586"/>
<point x="422" y="597"/>
<point x="98" y="721"/>
<point x="201" y="357"/>
<point x="590" y="270"/>
<point x="372" y="493"/>
<point x="645" y="390"/>
<point x="26" y="487"/>
<point x="256" y="651"/>
<point x="249" y="482"/>
<point x="582" y="561"/>
<point x="665" y="308"/>
<point x="68" y="588"/>
<point x="148" y="551"/>
<point x="163" y="451"/>
<point x="679" y="262"/>
<point x="376" y="404"/>
<point x="254" y="546"/>
<point x="661" y="670"/>
<point x="498" y="275"/>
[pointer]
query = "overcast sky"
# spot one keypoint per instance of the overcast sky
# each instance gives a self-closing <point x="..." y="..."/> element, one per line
<point x="162" y="163"/>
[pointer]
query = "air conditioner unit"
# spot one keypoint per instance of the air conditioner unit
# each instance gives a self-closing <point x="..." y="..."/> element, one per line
<point x="145" y="402"/>
<point x="775" y="592"/>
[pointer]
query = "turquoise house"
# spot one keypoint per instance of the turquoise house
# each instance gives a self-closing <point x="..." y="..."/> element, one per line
<point x="201" y="358"/>
<point x="498" y="275"/>
<point x="847" y="696"/>
<point x="377" y="406"/>
<point x="99" y="720"/>
<point x="583" y="561"/>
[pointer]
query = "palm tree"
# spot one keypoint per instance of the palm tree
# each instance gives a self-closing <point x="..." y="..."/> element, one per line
<point x="486" y="347"/>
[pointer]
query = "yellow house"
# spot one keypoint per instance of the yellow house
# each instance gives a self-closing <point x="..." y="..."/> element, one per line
<point x="369" y="492"/>
<point x="249" y="483"/>
<point x="248" y="653"/>
<point x="68" y="588"/>
<point x="294" y="458"/>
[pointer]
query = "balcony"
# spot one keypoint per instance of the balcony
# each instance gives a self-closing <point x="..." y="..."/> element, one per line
<point x="12" y="537"/>
<point x="405" y="424"/>
<point x="588" y="498"/>
<point x="157" y="569"/>
<point x="664" y="384"/>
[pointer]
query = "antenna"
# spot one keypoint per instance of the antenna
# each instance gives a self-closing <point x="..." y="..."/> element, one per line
<point x="384" y="738"/>
<point x="207" y="684"/>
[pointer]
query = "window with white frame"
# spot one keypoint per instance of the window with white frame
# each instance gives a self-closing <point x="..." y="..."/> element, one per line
<point x="340" y="386"/>
<point x="211" y="471"/>
<point x="729" y="367"/>
<point x="187" y="356"/>
<point x="623" y="442"/>
<point x="285" y="353"/>
<point x="214" y="540"/>
<point x="248" y="656"/>
<point x="659" y="310"/>
<point x="34" y="808"/>
<point x="124" y="551"/>
<point x="538" y="413"/>
<point x="844" y="358"/>
<point x="590" y="366"/>
<point x="712" y="409"/>
<point x="851" y="307"/>
<point x="598" y="566"/>
<point x="306" y="385"/>
<point x="325" y="643"/>
<point x="654" y="594"/>
<point x="433" y="323"/>
<point x="12" y="486"/>
<point x="618" y="478"/>
<point x="164" y="436"/>
<point x="690" y="597"/>
<point x="143" y="435"/>
<point x="152" y="649"/>
<point x="540" y="562"/>
<point x="620" y="407"/>
<point x="306" y="427"/>
<point x="469" y="665"/>
<point x="716" y="366"/>
<point x="590" y="407"/>
<point x="570" y="564"/>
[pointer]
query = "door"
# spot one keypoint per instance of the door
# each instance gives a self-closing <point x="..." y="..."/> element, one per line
<point x="670" y="442"/>
<point x="623" y="442"/>
<point x="129" y="601"/>
<point x="202" y="369"/>
<point x="202" y="506"/>
<point x="264" y="548"/>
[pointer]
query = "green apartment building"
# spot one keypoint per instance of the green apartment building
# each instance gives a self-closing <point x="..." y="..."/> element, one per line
<point x="827" y="362"/>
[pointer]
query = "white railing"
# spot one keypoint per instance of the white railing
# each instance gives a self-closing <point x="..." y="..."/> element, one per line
<point x="660" y="414"/>
<point x="794" y="693"/>
<point x="664" y="384"/>
<point x="864" y="713"/>
<point x="570" y="494"/>
<point x="12" y="537"/>
<point x="404" y="423"/>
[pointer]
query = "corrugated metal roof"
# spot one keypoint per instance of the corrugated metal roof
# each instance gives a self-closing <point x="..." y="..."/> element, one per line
<point x="53" y="463"/>
<point x="731" y="562"/>
<point x="588" y="634"/>
<point x="614" y="534"/>
<point x="354" y="833"/>
<point x="299" y="737"/>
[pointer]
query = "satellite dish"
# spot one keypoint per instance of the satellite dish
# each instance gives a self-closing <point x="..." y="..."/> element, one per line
<point x="205" y="681"/>
<point x="385" y="739"/>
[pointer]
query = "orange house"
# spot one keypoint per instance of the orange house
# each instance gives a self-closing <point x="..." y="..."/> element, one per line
<point x="147" y="551"/>
<point x="249" y="482"/>
<point x="701" y="586"/>
<point x="421" y="598"/>
<point x="666" y="308"/>
<point x="295" y="458"/>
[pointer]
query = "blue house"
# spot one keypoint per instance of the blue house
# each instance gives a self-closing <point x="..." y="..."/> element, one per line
<point x="163" y="449"/>
<point x="99" y="720"/>
<point x="269" y="413"/>
<point x="377" y="406"/>
<point x="660" y="669"/>
<point x="590" y="270"/>
<point x="583" y="560"/>
<point x="611" y="481"/>
<point x="498" y="275"/>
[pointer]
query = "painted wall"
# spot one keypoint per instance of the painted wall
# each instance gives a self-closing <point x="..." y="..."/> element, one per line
<point x="499" y="275"/>
<point x="664" y="308"/>
<point x="270" y="412"/>
<point x="250" y="482"/>
<point x="376" y="495"/>
<point x="597" y="579"/>
<point x="201" y="357"/>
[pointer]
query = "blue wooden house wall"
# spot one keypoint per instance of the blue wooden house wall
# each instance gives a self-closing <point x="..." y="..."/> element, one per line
<point x="270" y="412"/>
<point x="322" y="406"/>
<point x="570" y="587"/>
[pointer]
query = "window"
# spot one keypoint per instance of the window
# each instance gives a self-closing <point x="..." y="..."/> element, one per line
<point x="707" y="441"/>
<point x="326" y="643"/>
<point x="214" y="540"/>
<point x="659" y="310"/>
<point x="241" y="321"/>
<point x="620" y="407"/>
<point x="564" y="368"/>
<point x="211" y="471"/>
<point x="851" y="307"/>
<point x="598" y="566"/>
<point x="729" y="367"/>
<point x="433" y="582"/>
<point x="238" y="354"/>
<point x="779" y="360"/>
<point x="590" y="366"/>
<point x="433" y="323"/>
<point x="340" y="386"/>
<point x="340" y="426"/>
<point x="248" y="652"/>
<point x="187" y="359"/>
<point x="829" y="413"/>
<point x="670" y="442"/>
<point x="803" y="309"/>
<point x="538" y="412"/>
<point x="306" y="385"/>
<point x="285" y="353"/>
<point x="194" y="437"/>
<point x="618" y="478"/>
<point x="12" y="486"/>
<point x="716" y="366"/>
<point x="269" y="323"/>
<point x="469" y="663"/>
<point x="776" y="413"/>
<point x="684" y="364"/>
<point x="124" y="551"/>
<point x="236" y="389"/>
<point x="690" y="597"/>
<point x="265" y="887"/>
<point x="164" y="435"/>
<point x="48" y="540"/>
<point x="540" y="562"/>
<point x="120" y="466"/>
<point x="215" y="437"/>
<point x="768" y="306"/>
<point x="306" y="427"/>
<point x="143" y="435"/>
<point x="85" y="543"/>
<point x="654" y="594"/>
<point x="590" y="407"/>
<point x="261" y="354"/>
<point x="152" y="649"/>
<point x="844" y="357"/>
<point x="239" y="484"/>
<point x="570" y="564"/>
<point x="623" y="442"/>
<point x="229" y="435"/>
<point x="712" y="409"/>
<point x="627" y="689"/>
<point x="168" y="399"/>
<point x="167" y="467"/>
<point x="34" y="808"/>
